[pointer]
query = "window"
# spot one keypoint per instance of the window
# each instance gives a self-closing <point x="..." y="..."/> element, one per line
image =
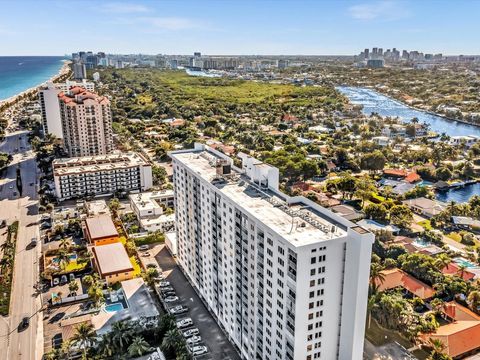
<point x="313" y="260"/>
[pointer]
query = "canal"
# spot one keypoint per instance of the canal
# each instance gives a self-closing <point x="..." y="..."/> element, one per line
<point x="373" y="101"/>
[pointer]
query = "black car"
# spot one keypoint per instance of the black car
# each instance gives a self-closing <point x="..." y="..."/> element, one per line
<point x="24" y="323"/>
<point x="3" y="224"/>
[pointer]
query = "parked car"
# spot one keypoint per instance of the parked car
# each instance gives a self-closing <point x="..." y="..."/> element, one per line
<point x="32" y="243"/>
<point x="168" y="288"/>
<point x="71" y="276"/>
<point x="191" y="332"/>
<point x="145" y="254"/>
<point x="169" y="293"/>
<point x="164" y="284"/>
<point x="194" y="340"/>
<point x="3" y="224"/>
<point x="199" y="350"/>
<point x="143" y="247"/>
<point x="24" y="323"/>
<point x="63" y="279"/>
<point x="56" y="281"/>
<point x="171" y="298"/>
<point x="152" y="265"/>
<point x="184" y="323"/>
<point x="45" y="226"/>
<point x="178" y="310"/>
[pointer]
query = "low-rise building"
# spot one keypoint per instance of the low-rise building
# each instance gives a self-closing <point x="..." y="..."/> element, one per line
<point x="425" y="207"/>
<point x="97" y="207"/>
<point x="102" y="174"/>
<point x="100" y="230"/>
<point x="112" y="263"/>
<point x="149" y="207"/>
<point x="394" y="278"/>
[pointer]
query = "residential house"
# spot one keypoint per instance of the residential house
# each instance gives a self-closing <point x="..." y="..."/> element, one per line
<point x="112" y="263"/>
<point x="395" y="278"/>
<point x="425" y="207"/>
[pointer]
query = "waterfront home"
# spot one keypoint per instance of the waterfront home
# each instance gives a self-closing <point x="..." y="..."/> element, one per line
<point x="396" y="278"/>
<point x="381" y="140"/>
<point x="461" y="336"/>
<point x="394" y="130"/>
<point x="406" y="175"/>
<point x="112" y="263"/>
<point x="413" y="246"/>
<point x="467" y="140"/>
<point x="467" y="223"/>
<point x="425" y="207"/>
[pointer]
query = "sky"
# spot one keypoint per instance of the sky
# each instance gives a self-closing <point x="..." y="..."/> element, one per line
<point x="238" y="27"/>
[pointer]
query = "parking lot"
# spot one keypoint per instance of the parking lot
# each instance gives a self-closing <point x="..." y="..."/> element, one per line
<point x="212" y="336"/>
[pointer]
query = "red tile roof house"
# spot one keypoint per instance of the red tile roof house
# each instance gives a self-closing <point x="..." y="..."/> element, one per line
<point x="394" y="278"/>
<point x="408" y="176"/>
<point x="462" y="336"/>
<point x="454" y="269"/>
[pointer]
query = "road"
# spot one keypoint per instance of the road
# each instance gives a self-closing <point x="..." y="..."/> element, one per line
<point x="24" y="208"/>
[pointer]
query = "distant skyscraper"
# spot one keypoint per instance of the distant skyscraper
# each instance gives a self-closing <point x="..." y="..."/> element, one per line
<point x="366" y="52"/>
<point x="282" y="64"/>
<point x="86" y="123"/>
<point x="197" y="54"/>
<point x="79" y="71"/>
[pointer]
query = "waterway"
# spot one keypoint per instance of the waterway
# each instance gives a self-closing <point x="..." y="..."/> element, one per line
<point x="373" y="101"/>
<point x="383" y="105"/>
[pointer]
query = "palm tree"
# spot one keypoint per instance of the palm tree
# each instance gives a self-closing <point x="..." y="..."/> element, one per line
<point x="121" y="335"/>
<point x="73" y="286"/>
<point x="63" y="258"/>
<point x="438" y="348"/>
<point x="149" y="276"/>
<point x="442" y="261"/>
<point x="474" y="300"/>
<point x="371" y="303"/>
<point x="107" y="345"/>
<point x="84" y="337"/>
<point x="138" y="347"/>
<point x="376" y="275"/>
<point x="461" y="270"/>
<point x="171" y="340"/>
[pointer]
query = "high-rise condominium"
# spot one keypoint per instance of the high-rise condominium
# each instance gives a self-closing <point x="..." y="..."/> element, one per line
<point x="48" y="97"/>
<point x="285" y="278"/>
<point x="86" y="123"/>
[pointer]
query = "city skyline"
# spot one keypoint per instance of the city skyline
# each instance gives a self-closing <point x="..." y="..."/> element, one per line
<point x="287" y="28"/>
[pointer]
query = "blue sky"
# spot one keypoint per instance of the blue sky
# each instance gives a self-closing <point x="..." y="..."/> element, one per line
<point x="315" y="27"/>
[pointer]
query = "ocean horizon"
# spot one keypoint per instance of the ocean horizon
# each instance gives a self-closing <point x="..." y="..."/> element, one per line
<point x="20" y="73"/>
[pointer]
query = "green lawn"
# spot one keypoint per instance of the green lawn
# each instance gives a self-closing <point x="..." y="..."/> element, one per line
<point x="425" y="224"/>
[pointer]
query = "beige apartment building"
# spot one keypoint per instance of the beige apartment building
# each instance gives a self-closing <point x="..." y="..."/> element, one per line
<point x="86" y="122"/>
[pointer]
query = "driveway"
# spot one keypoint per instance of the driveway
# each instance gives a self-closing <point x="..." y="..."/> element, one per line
<point x="219" y="347"/>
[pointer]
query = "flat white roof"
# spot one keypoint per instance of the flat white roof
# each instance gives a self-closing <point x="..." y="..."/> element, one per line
<point x="266" y="207"/>
<point x="157" y="220"/>
<point x="78" y="165"/>
<point x="147" y="200"/>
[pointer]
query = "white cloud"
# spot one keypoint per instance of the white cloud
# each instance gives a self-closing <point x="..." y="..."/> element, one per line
<point x="381" y="10"/>
<point x="123" y="8"/>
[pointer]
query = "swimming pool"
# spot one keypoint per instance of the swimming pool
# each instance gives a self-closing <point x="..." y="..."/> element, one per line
<point x="114" y="307"/>
<point x="421" y="243"/>
<point x="72" y="257"/>
<point x="465" y="262"/>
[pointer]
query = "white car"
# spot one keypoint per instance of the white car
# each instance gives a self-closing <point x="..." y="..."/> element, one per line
<point x="184" y="323"/>
<point x="191" y="332"/>
<point x="199" y="350"/>
<point x="143" y="247"/>
<point x="178" y="310"/>
<point x="171" y="298"/>
<point x="164" y="283"/>
<point x="194" y="340"/>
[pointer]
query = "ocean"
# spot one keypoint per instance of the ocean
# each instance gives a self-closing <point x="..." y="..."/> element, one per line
<point x="20" y="73"/>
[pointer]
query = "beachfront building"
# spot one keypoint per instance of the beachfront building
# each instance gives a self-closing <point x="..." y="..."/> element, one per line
<point x="103" y="174"/>
<point x="50" y="106"/>
<point x="86" y="123"/>
<point x="79" y="70"/>
<point x="285" y="278"/>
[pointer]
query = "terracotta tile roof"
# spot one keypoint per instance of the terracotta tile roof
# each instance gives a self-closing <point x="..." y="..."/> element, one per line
<point x="460" y="336"/>
<point x="395" y="172"/>
<point x="413" y="177"/>
<point x="453" y="269"/>
<point x="397" y="278"/>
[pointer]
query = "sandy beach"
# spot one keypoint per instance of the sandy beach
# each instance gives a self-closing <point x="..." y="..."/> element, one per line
<point x="5" y="104"/>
